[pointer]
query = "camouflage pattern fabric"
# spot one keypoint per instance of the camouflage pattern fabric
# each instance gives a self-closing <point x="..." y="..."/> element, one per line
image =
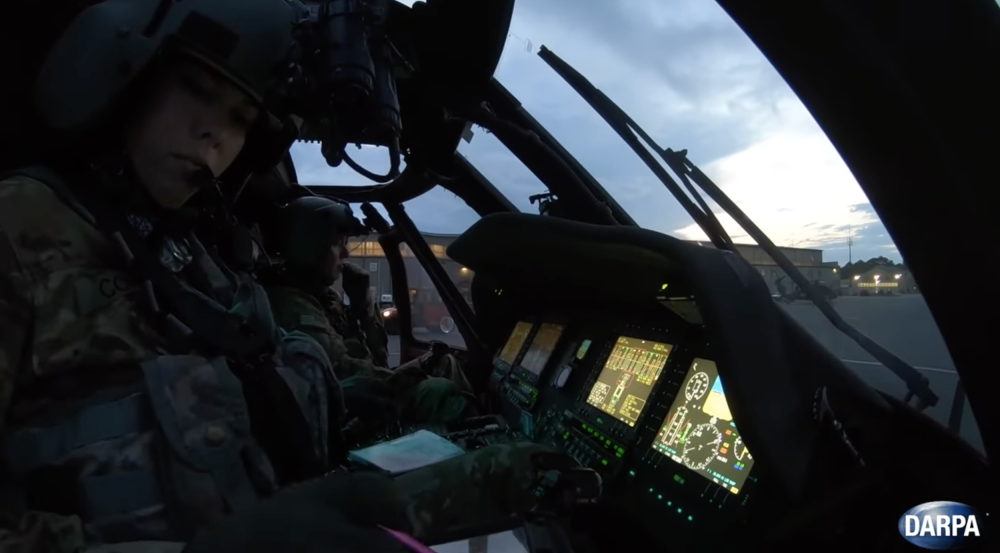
<point x="481" y="487"/>
<point x="338" y="512"/>
<point x="420" y="399"/>
<point x="63" y="310"/>
<point x="447" y="368"/>
<point x="74" y="338"/>
<point x="60" y="290"/>
<point x="296" y="309"/>
<point x="375" y="340"/>
<point x="434" y="400"/>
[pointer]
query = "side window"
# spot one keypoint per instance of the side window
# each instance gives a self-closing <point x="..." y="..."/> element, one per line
<point x="440" y="217"/>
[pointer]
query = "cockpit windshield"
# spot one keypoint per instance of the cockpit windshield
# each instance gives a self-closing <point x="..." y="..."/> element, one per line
<point x="691" y="78"/>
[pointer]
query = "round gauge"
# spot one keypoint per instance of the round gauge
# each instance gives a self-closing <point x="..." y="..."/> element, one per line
<point x="701" y="446"/>
<point x="740" y="450"/>
<point x="563" y="377"/>
<point x="696" y="387"/>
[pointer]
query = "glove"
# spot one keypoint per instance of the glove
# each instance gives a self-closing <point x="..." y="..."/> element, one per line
<point x="369" y="398"/>
<point x="406" y="377"/>
<point x="336" y="513"/>
<point x="356" y="282"/>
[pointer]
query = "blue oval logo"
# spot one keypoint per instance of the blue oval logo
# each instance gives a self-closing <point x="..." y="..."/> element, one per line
<point x="941" y="525"/>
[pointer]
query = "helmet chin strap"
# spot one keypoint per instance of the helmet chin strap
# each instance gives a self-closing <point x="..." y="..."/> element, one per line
<point x="209" y="193"/>
<point x="120" y="180"/>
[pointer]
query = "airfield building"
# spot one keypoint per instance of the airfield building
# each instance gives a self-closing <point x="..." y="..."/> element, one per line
<point x="368" y="253"/>
<point x="880" y="280"/>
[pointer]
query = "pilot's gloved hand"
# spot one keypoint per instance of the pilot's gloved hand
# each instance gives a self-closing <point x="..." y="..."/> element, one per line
<point x="405" y="377"/>
<point x="356" y="282"/>
<point x="369" y="398"/>
<point x="336" y="513"/>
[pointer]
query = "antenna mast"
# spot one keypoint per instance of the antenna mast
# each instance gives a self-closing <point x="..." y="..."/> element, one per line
<point x="850" y="243"/>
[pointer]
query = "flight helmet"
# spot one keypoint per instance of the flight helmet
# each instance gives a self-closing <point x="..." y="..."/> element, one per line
<point x="109" y="44"/>
<point x="306" y="228"/>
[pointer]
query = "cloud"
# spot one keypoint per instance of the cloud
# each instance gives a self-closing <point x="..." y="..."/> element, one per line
<point x="687" y="73"/>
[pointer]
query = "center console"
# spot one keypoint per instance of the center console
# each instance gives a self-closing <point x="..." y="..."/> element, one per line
<point x="641" y="404"/>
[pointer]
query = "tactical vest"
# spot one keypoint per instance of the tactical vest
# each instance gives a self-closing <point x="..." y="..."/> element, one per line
<point x="188" y="442"/>
<point x="348" y="327"/>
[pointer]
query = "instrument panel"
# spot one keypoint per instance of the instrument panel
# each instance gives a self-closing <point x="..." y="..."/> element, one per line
<point x="699" y="431"/>
<point x="643" y="405"/>
<point x="626" y="380"/>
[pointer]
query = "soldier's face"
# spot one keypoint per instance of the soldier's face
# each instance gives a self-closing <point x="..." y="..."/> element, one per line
<point x="336" y="257"/>
<point x="192" y="120"/>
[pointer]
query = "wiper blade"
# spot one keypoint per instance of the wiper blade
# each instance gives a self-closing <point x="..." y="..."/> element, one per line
<point x="917" y="384"/>
<point x="628" y="130"/>
<point x="701" y="214"/>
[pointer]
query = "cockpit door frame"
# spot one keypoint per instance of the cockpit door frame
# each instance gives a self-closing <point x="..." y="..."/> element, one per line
<point x="484" y="198"/>
<point x="465" y="320"/>
<point x="409" y="346"/>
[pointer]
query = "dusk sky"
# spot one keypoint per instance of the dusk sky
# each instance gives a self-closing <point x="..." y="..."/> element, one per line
<point x="688" y="75"/>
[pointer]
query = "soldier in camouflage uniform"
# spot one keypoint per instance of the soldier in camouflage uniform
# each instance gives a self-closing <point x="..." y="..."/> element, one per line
<point x="310" y="235"/>
<point x="131" y="357"/>
<point x="476" y="490"/>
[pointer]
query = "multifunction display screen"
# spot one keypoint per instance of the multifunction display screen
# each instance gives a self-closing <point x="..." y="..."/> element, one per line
<point x="542" y="345"/>
<point x="628" y="377"/>
<point x="699" y="431"/>
<point x="516" y="341"/>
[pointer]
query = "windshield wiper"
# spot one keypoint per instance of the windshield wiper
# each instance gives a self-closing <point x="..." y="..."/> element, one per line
<point x="917" y="384"/>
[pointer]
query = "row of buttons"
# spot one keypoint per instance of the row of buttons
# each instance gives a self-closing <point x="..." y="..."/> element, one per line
<point x="585" y="454"/>
<point x="520" y="398"/>
<point x="588" y="453"/>
<point x="608" y="425"/>
<point x="610" y="446"/>
<point x="711" y="494"/>
<point x="496" y="379"/>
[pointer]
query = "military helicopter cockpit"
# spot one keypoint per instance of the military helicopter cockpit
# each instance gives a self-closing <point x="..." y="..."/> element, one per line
<point x="622" y="368"/>
<point x="583" y="331"/>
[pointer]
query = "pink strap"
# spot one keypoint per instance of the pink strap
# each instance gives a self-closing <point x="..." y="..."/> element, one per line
<point x="408" y="541"/>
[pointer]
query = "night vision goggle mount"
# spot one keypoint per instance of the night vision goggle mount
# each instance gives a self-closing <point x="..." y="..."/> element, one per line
<point x="342" y="82"/>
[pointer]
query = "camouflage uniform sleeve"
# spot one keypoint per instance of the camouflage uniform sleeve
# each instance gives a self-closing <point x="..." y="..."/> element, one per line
<point x="480" y="488"/>
<point x="297" y="310"/>
<point x="376" y="338"/>
<point x="34" y="532"/>
<point x="372" y="341"/>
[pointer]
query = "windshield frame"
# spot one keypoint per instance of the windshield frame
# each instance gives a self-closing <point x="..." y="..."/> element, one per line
<point x="583" y="198"/>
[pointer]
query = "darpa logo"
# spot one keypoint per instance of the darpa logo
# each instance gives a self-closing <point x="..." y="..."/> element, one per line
<point x="940" y="525"/>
